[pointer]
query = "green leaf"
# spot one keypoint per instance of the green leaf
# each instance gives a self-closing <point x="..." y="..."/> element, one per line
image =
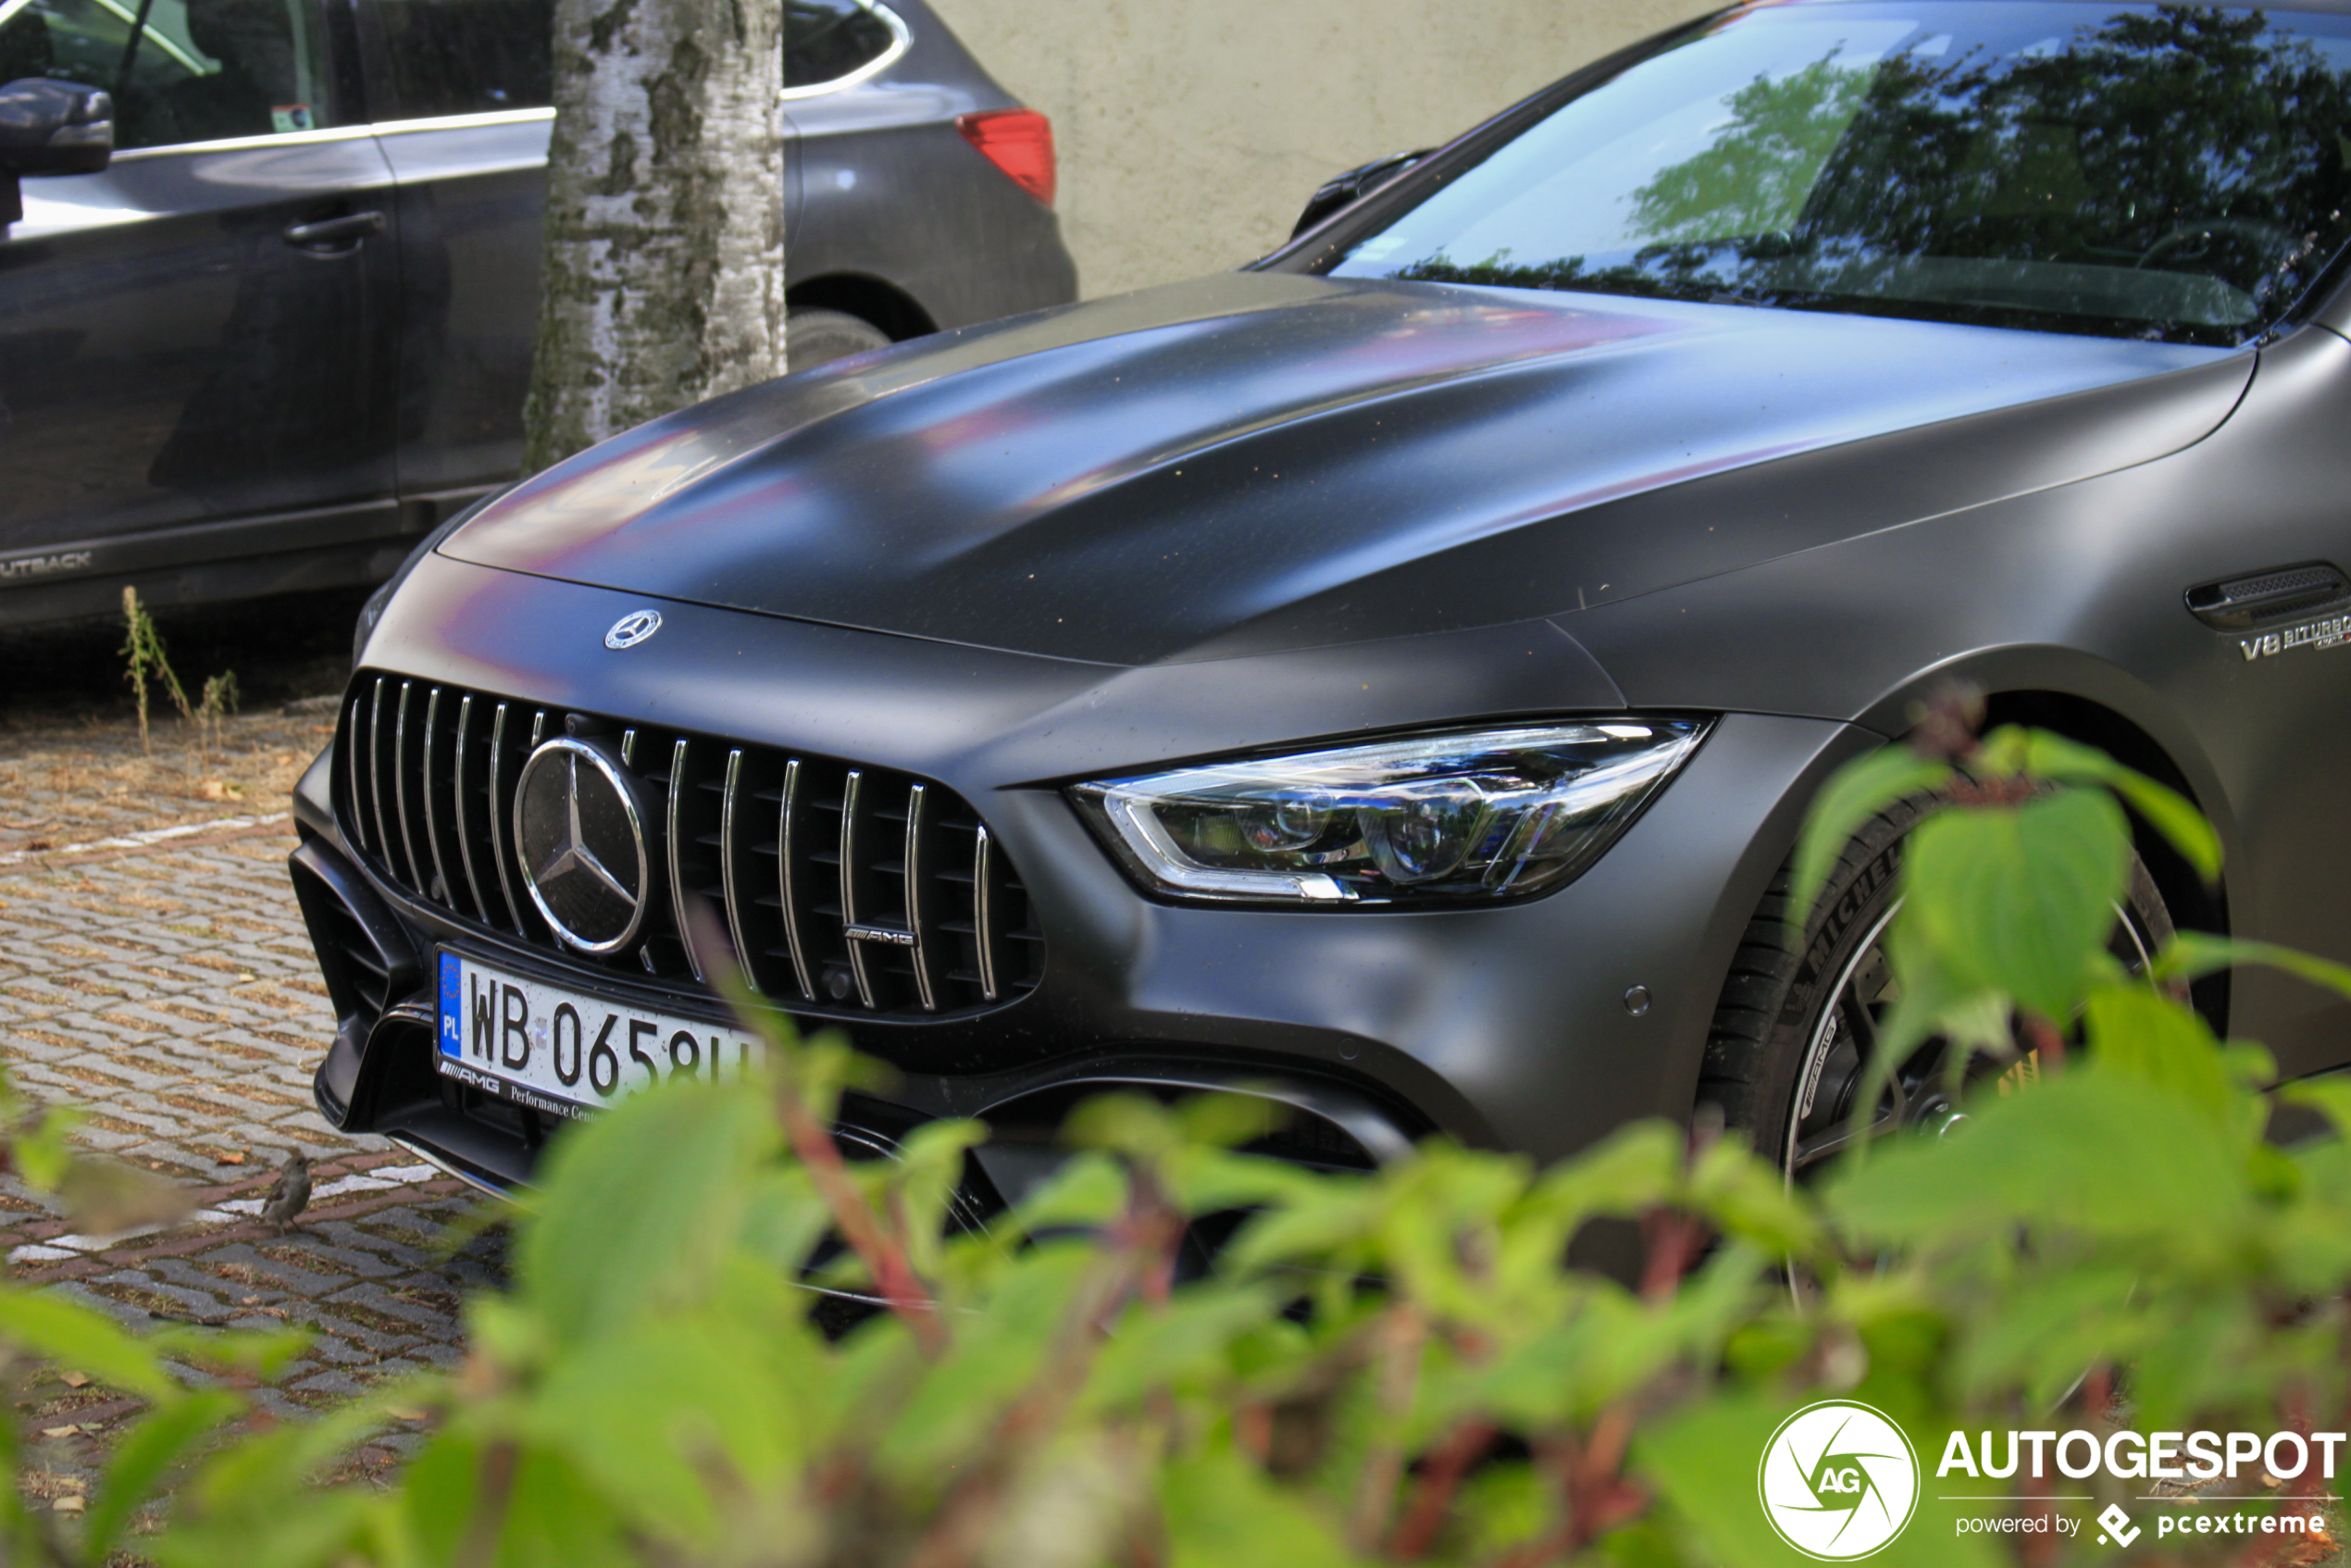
<point x="998" y="1352"/>
<point x="2192" y="954"/>
<point x="2168" y="812"/>
<point x="42" y="1149"/>
<point x="2020" y="898"/>
<point x="2138" y="1032"/>
<point x="2100" y="1155"/>
<point x="1124" y="1123"/>
<point x="1227" y="1121"/>
<point x="2330" y="1097"/>
<point x="144" y="1456"/>
<point x="1633" y="1169"/>
<point x="64" y="1330"/>
<point x="1088" y="1190"/>
<point x="663" y="1416"/>
<point x="1222" y="1512"/>
<point x="639" y="1204"/>
<point x="1188" y="1341"/>
<point x="1856" y="792"/>
<point x="928" y="1170"/>
<point x="262" y="1355"/>
<point x="304" y="1532"/>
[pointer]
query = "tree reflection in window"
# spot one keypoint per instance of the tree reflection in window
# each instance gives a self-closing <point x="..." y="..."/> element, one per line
<point x="2175" y="172"/>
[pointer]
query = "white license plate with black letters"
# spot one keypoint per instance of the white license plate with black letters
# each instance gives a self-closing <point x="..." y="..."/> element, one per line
<point x="564" y="1051"/>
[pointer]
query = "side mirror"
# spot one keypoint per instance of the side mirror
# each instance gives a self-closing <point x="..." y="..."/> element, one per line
<point x="1340" y="190"/>
<point x="49" y="127"/>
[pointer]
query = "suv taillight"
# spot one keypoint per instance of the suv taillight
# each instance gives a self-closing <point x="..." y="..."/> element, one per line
<point x="1019" y="141"/>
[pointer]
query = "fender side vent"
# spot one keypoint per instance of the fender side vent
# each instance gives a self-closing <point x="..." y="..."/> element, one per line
<point x="2269" y="597"/>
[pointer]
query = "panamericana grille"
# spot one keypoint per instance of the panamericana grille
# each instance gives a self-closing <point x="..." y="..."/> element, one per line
<point x="842" y="886"/>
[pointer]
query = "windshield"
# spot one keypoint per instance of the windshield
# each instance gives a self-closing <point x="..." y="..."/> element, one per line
<point x="2175" y="172"/>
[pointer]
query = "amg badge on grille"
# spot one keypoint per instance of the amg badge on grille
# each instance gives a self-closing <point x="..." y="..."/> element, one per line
<point x="581" y="840"/>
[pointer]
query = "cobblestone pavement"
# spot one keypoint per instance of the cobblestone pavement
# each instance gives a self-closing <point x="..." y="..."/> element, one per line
<point x="65" y="787"/>
<point x="164" y="985"/>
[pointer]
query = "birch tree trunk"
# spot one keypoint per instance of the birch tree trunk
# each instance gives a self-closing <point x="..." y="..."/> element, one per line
<point x="662" y="267"/>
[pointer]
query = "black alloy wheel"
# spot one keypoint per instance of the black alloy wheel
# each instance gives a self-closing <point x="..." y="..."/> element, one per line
<point x="1794" y="1031"/>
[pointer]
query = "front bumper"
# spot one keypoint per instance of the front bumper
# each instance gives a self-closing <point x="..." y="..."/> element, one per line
<point x="1505" y="1026"/>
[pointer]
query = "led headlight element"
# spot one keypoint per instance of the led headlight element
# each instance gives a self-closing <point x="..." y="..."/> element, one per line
<point x="1485" y="814"/>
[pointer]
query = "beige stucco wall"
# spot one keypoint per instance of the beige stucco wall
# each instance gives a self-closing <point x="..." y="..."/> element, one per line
<point x="1190" y="132"/>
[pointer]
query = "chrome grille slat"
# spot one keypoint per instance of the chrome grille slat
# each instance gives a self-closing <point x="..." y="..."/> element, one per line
<point x="678" y="854"/>
<point x="857" y="967"/>
<point x="983" y="917"/>
<point x="360" y="814"/>
<point x="888" y="913"/>
<point x="498" y="821"/>
<point x="728" y="846"/>
<point x="786" y="818"/>
<point x="915" y="896"/>
<point x="400" y="786"/>
<point x="464" y="805"/>
<point x="433" y="818"/>
<point x="375" y="769"/>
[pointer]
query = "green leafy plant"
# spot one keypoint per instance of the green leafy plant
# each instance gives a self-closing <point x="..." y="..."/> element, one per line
<point x="1395" y="1366"/>
<point x="216" y="702"/>
<point x="149" y="665"/>
<point x="142" y="649"/>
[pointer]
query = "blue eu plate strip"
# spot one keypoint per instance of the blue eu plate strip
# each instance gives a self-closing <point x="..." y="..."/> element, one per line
<point x="452" y="1028"/>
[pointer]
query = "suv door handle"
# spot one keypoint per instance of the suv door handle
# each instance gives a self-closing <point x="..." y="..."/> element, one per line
<point x="335" y="230"/>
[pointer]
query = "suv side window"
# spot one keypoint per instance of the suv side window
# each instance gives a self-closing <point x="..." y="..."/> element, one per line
<point x="468" y="56"/>
<point x="198" y="70"/>
<point x="826" y="40"/>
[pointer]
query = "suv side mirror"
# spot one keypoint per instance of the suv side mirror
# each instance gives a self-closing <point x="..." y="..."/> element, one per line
<point x="1340" y="190"/>
<point x="48" y="127"/>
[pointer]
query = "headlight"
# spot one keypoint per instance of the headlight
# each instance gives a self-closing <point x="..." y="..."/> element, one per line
<point x="1488" y="814"/>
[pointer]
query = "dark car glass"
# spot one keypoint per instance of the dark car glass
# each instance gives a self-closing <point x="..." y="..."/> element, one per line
<point x="468" y="56"/>
<point x="202" y="70"/>
<point x="826" y="40"/>
<point x="2130" y="170"/>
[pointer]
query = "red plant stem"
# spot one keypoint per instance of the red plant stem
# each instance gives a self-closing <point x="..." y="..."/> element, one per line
<point x="882" y="1254"/>
<point x="2048" y="1043"/>
<point x="1673" y="1240"/>
<point x="1434" y="1492"/>
<point x="1144" y="1234"/>
<point x="2039" y="1548"/>
<point x="1253" y="1430"/>
<point x="480" y="1547"/>
<point x="1595" y="1497"/>
<point x="1403" y="1334"/>
<point x="2097" y="1391"/>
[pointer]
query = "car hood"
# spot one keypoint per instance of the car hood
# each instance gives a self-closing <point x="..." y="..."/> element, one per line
<point x="1263" y="461"/>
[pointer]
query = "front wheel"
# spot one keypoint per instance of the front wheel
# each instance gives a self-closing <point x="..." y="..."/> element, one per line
<point x="1795" y="1030"/>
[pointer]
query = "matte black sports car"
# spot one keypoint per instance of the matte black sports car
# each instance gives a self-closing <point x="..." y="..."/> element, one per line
<point x="1393" y="675"/>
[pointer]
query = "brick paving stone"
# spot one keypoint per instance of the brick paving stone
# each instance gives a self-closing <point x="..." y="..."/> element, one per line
<point x="167" y="990"/>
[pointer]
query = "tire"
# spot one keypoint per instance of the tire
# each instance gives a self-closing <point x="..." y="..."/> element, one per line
<point x="1773" y="1024"/>
<point x="813" y="337"/>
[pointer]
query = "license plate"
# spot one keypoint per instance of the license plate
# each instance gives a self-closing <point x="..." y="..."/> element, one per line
<point x="565" y="1052"/>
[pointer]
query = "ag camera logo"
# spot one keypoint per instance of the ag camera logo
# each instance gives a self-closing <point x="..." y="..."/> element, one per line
<point x="1838" y="1480"/>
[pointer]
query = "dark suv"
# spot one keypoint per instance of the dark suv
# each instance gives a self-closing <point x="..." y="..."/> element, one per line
<point x="286" y="330"/>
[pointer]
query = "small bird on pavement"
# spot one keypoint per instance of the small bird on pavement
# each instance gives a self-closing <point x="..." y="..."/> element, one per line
<point x="290" y="1194"/>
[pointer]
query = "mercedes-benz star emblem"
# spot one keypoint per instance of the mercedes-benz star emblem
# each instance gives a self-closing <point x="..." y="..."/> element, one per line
<point x="581" y="841"/>
<point x="633" y="629"/>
